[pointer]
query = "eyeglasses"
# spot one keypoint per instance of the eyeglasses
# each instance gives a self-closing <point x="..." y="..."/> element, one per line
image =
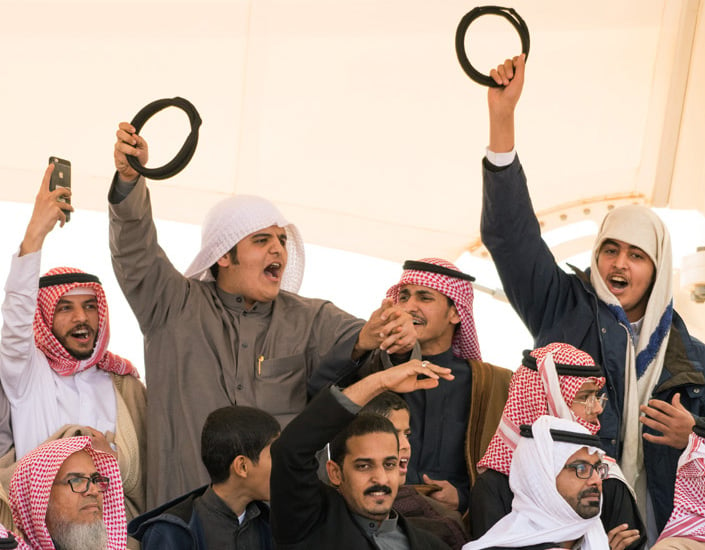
<point x="592" y="400"/>
<point x="584" y="469"/>
<point x="80" y="484"/>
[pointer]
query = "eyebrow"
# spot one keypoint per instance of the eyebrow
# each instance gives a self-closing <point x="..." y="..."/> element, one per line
<point x="75" y="474"/>
<point x="65" y="301"/>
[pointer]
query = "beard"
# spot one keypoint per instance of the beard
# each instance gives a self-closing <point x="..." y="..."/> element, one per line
<point x="78" y="354"/>
<point x="78" y="536"/>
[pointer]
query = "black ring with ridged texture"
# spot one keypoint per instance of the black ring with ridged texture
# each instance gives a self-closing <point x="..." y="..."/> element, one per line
<point x="183" y="157"/>
<point x="510" y="15"/>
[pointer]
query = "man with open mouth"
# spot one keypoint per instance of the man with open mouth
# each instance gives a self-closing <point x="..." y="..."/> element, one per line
<point x="55" y="365"/>
<point x="620" y="311"/>
<point x="232" y="329"/>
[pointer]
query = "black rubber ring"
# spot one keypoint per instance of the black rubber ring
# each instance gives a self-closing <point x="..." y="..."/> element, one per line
<point x="183" y="157"/>
<point x="510" y="15"/>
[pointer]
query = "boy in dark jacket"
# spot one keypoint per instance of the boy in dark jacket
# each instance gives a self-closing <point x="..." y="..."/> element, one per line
<point x="230" y="512"/>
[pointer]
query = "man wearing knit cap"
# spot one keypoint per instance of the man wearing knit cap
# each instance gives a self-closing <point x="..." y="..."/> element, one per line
<point x="55" y="365"/>
<point x="67" y="495"/>
<point x="556" y="477"/>
<point x="232" y="330"/>
<point x="620" y="311"/>
<point x="439" y="296"/>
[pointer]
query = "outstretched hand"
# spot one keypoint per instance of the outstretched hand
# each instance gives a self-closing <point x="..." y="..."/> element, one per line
<point x="129" y="143"/>
<point x="404" y="378"/>
<point x="407" y="377"/>
<point x="672" y="419"/>
<point x="48" y="210"/>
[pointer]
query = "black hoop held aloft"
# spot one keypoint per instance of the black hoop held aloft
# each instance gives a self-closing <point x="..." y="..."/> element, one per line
<point x="510" y="15"/>
<point x="187" y="150"/>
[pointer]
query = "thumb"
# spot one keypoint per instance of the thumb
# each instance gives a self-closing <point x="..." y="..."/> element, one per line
<point x="427" y="479"/>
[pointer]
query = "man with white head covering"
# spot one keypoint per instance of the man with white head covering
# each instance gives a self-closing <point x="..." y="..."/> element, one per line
<point x="55" y="365"/>
<point x="620" y="311"/>
<point x="556" y="478"/>
<point x="460" y="416"/>
<point x="67" y="495"/>
<point x="561" y="381"/>
<point x="232" y="330"/>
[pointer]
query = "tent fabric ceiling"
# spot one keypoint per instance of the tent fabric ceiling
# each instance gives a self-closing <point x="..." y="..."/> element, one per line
<point x="355" y="117"/>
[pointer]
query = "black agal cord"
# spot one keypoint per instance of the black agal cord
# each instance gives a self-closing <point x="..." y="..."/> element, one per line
<point x="183" y="157"/>
<point x="510" y="15"/>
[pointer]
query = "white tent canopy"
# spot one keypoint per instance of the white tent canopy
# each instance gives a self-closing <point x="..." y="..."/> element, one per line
<point x="355" y="117"/>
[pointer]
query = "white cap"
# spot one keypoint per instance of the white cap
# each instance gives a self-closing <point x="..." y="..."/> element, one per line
<point x="230" y="221"/>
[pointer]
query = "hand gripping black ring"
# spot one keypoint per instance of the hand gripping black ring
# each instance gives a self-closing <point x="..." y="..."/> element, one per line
<point x="183" y="157"/>
<point x="510" y="15"/>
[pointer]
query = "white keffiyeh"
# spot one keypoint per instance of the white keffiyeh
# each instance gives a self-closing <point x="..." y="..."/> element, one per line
<point x="539" y="513"/>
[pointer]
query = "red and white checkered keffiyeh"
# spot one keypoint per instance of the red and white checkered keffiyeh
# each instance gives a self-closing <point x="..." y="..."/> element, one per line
<point x="465" y="343"/>
<point x="688" y="517"/>
<point x="531" y="394"/>
<point x="60" y="360"/>
<point x="30" y="488"/>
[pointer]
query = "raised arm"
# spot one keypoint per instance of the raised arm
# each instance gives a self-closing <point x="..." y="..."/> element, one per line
<point x="17" y="349"/>
<point x="298" y="498"/>
<point x="535" y="285"/>
<point x="152" y="286"/>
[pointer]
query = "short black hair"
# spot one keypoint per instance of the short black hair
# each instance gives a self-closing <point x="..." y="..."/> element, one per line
<point x="364" y="423"/>
<point x="385" y="403"/>
<point x="233" y="259"/>
<point x="233" y="431"/>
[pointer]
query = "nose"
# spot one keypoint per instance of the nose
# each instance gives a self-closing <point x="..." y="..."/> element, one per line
<point x="380" y="476"/>
<point x="410" y="305"/>
<point x="595" y="479"/>
<point x="92" y="489"/>
<point x="79" y="314"/>
<point x="597" y="407"/>
<point x="621" y="259"/>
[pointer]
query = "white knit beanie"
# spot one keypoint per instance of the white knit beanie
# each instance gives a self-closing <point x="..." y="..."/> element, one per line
<point x="231" y="220"/>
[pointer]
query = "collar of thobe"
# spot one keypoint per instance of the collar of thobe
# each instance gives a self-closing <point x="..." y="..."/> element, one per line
<point x="236" y="303"/>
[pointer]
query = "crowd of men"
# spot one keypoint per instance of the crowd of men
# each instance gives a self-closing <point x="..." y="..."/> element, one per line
<point x="270" y="420"/>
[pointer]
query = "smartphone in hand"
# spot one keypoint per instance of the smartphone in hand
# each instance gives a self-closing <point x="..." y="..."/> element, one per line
<point x="61" y="176"/>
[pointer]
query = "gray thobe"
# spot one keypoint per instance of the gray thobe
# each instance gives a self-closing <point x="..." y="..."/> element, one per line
<point x="203" y="350"/>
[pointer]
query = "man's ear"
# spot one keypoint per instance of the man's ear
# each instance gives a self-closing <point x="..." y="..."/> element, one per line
<point x="453" y="315"/>
<point x="224" y="260"/>
<point x="335" y="474"/>
<point x="239" y="466"/>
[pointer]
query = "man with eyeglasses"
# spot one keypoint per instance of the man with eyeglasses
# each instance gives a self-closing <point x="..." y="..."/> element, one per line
<point x="55" y="366"/>
<point x="620" y="310"/>
<point x="562" y="381"/>
<point x="67" y="495"/>
<point x="556" y="477"/>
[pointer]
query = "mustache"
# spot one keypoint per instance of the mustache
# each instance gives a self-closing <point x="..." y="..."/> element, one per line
<point x="378" y="489"/>
<point x="589" y="492"/>
<point x="84" y="326"/>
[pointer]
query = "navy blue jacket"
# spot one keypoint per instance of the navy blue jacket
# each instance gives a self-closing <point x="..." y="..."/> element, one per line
<point x="176" y="525"/>
<point x="559" y="307"/>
